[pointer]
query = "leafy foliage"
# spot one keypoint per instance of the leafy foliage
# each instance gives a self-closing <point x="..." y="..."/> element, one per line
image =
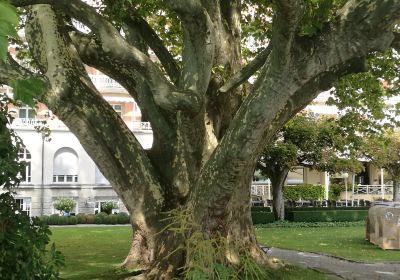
<point x="28" y="90"/>
<point x="384" y="151"/>
<point x="108" y="206"/>
<point x="65" y="205"/>
<point x="8" y="22"/>
<point x="10" y="144"/>
<point x="304" y="192"/>
<point x="23" y="241"/>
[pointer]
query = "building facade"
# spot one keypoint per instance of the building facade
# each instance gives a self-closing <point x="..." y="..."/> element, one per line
<point x="57" y="166"/>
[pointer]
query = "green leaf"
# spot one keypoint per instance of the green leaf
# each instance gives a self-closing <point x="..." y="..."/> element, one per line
<point x="7" y="29"/>
<point x="3" y="47"/>
<point x="28" y="90"/>
<point x="8" y="13"/>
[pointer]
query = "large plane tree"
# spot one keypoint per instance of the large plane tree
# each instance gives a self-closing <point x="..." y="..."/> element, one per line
<point x="210" y="125"/>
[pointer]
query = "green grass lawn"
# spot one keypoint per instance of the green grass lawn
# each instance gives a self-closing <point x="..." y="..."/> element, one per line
<point x="92" y="252"/>
<point x="95" y="252"/>
<point x="345" y="242"/>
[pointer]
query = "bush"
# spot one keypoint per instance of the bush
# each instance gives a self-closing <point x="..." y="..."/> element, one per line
<point x="44" y="219"/>
<point x="304" y="192"/>
<point x="335" y="190"/>
<point x="81" y="218"/>
<point x="53" y="219"/>
<point x="329" y="216"/>
<point x="108" y="206"/>
<point x="123" y="218"/>
<point x="65" y="205"/>
<point x="325" y="208"/>
<point x="72" y="220"/>
<point x="100" y="218"/>
<point x="90" y="218"/>
<point x="262" y="217"/>
<point x="111" y="220"/>
<point x="24" y="250"/>
<point x="260" y="209"/>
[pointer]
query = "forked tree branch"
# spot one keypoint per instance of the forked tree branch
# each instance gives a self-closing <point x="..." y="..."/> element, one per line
<point x="75" y="100"/>
<point x="166" y="95"/>
<point x="198" y="44"/>
<point x="148" y="34"/>
<point x="246" y="72"/>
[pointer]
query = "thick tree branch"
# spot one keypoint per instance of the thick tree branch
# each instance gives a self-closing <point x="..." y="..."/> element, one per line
<point x="11" y="70"/>
<point x="165" y="94"/>
<point x="246" y="72"/>
<point x="93" y="55"/>
<point x="141" y="26"/>
<point x="80" y="106"/>
<point x="199" y="44"/>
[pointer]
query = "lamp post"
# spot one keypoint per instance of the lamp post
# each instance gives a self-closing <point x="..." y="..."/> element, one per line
<point x="345" y="176"/>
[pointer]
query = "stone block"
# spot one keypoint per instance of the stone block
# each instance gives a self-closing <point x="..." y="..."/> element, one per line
<point x="383" y="225"/>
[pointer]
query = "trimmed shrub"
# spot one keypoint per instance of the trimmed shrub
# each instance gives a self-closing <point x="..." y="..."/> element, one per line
<point x="325" y="208"/>
<point x="123" y="218"/>
<point x="44" y="219"/>
<point x="100" y="218"/>
<point x="72" y="220"/>
<point x="304" y="192"/>
<point x="90" y="218"/>
<point x="53" y="219"/>
<point x="260" y="209"/>
<point x="81" y="218"/>
<point x="262" y="217"/>
<point x="328" y="216"/>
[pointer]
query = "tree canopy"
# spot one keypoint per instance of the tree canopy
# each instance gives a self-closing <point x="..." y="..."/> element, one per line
<point x="188" y="65"/>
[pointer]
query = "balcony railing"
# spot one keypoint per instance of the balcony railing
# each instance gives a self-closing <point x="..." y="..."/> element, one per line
<point x="139" y="125"/>
<point x="27" y="122"/>
<point x="104" y="82"/>
<point x="373" y="189"/>
<point x="261" y="190"/>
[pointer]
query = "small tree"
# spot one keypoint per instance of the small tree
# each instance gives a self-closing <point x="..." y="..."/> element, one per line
<point x="384" y="152"/>
<point x="307" y="142"/>
<point x="64" y="205"/>
<point x="108" y="206"/>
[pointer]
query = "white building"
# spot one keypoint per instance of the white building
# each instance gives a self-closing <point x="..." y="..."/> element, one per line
<point x="58" y="166"/>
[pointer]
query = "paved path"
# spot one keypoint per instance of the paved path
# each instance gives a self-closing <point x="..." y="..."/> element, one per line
<point x="338" y="267"/>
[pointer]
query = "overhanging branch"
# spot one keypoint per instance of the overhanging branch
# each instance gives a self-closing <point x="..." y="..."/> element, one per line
<point x="155" y="43"/>
<point x="246" y="72"/>
<point x="166" y="95"/>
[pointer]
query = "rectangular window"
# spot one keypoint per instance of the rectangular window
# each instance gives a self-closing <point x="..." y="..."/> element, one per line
<point x="117" y="108"/>
<point x="65" y="178"/>
<point x="26" y="113"/>
<point x="24" y="204"/>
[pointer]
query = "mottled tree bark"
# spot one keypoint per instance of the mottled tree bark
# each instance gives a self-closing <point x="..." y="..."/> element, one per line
<point x="208" y="132"/>
<point x="277" y="183"/>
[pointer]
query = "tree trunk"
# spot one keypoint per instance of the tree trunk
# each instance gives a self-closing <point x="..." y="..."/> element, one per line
<point x="277" y="182"/>
<point x="396" y="190"/>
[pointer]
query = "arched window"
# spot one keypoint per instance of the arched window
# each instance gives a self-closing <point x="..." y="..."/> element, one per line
<point x="65" y="166"/>
<point x="25" y="156"/>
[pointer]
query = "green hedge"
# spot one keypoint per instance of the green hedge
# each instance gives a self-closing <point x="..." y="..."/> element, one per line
<point x="325" y="208"/>
<point x="262" y="217"/>
<point x="304" y="192"/>
<point x="328" y="216"/>
<point x="260" y="209"/>
<point x="101" y="218"/>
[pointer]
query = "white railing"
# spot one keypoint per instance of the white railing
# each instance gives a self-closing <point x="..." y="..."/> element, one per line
<point x="139" y="125"/>
<point x="373" y="189"/>
<point x="103" y="81"/>
<point x="26" y="122"/>
<point x="261" y="190"/>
